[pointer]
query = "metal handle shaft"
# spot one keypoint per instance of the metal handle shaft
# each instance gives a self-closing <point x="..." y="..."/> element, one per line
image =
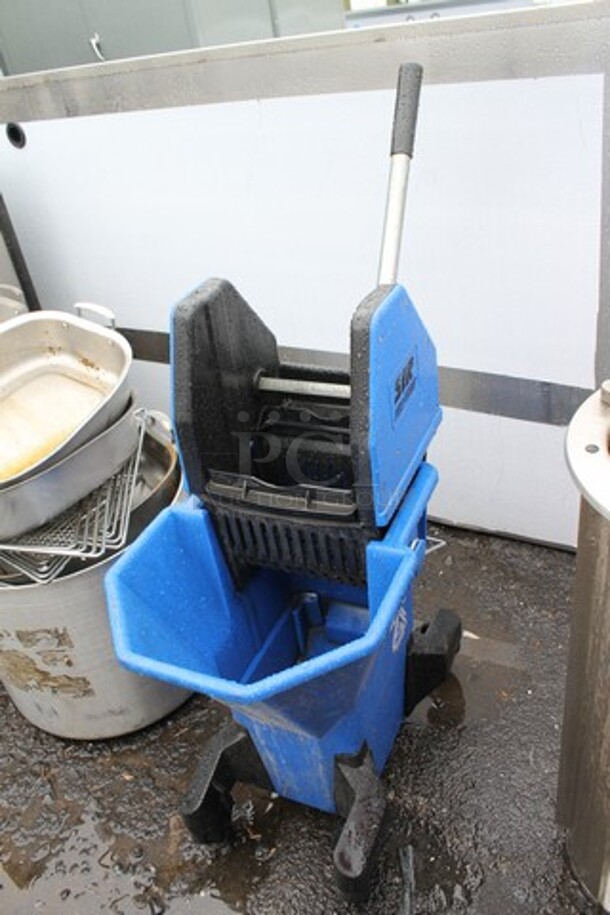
<point x="403" y="137"/>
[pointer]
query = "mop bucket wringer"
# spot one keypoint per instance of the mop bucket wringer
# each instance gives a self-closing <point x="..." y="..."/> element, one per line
<point x="283" y="587"/>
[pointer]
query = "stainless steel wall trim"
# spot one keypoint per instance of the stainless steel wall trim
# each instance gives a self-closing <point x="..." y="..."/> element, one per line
<point x="526" y="399"/>
<point x="549" y="41"/>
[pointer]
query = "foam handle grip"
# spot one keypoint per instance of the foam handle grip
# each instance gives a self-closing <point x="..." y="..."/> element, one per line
<point x="405" y="112"/>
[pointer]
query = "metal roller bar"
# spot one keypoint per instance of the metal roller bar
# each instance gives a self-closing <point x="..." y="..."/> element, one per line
<point x="304" y="388"/>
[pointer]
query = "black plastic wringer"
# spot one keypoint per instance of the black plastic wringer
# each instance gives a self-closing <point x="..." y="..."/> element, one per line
<point x="283" y="587"/>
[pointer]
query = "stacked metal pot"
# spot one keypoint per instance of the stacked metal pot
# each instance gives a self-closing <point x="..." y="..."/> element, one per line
<point x="82" y="471"/>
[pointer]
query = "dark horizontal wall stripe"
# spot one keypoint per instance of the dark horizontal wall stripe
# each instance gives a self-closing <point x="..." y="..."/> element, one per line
<point x="516" y="398"/>
<point x="147" y="345"/>
<point x="480" y="392"/>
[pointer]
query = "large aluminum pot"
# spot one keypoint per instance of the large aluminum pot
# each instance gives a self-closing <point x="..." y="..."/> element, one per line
<point x="63" y="380"/>
<point x="57" y="662"/>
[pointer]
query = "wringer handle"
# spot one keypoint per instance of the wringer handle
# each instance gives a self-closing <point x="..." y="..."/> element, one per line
<point x="405" y="112"/>
<point x="401" y="153"/>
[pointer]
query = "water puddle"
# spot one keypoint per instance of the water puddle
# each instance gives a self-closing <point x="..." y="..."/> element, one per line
<point x="487" y="675"/>
<point x="94" y="871"/>
<point x="93" y="827"/>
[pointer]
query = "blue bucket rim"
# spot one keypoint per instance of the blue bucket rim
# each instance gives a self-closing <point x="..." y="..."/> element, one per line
<point x="235" y="693"/>
<point x="231" y="691"/>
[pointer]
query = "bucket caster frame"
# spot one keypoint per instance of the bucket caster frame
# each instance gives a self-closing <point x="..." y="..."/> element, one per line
<point x="430" y="654"/>
<point x="230" y="756"/>
<point x="360" y="798"/>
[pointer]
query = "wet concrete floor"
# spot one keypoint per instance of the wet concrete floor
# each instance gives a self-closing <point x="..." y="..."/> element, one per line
<point x="92" y="827"/>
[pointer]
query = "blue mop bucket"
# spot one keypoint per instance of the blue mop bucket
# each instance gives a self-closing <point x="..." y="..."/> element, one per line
<point x="310" y="668"/>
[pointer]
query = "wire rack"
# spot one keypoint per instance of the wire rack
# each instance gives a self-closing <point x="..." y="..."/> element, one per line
<point x="92" y="527"/>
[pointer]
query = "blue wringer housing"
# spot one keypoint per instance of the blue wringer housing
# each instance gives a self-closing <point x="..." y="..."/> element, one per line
<point x="283" y="587"/>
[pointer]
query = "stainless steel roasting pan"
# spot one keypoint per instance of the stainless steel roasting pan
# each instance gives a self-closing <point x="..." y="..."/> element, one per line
<point x="38" y="499"/>
<point x="63" y="380"/>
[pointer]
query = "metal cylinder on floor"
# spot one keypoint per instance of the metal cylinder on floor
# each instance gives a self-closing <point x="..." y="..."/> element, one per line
<point x="584" y="779"/>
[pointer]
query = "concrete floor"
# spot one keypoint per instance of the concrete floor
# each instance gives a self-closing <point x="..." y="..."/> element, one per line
<point x="92" y="827"/>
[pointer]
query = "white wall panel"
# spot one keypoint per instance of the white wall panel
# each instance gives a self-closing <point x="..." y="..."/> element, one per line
<point x="285" y="197"/>
<point x="504" y="475"/>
